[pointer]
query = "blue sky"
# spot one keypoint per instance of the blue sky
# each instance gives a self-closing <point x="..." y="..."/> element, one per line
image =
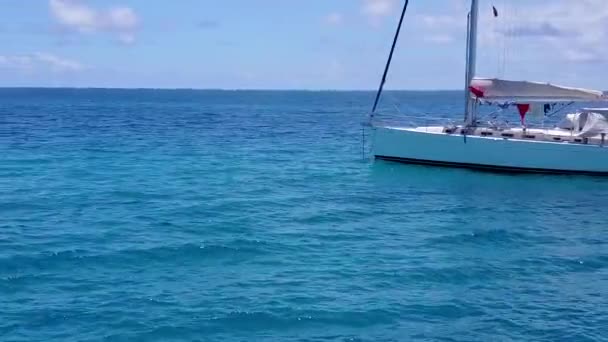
<point x="282" y="44"/>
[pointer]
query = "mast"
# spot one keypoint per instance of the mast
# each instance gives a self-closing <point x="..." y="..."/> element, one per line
<point x="390" y="57"/>
<point x="470" y="111"/>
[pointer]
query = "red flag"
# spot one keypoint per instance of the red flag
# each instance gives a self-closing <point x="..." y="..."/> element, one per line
<point x="477" y="92"/>
<point x="523" y="110"/>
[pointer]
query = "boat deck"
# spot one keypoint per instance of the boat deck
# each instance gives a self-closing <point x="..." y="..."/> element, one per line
<point x="532" y="134"/>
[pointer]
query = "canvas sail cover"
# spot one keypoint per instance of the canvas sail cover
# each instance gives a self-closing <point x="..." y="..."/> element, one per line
<point x="595" y="123"/>
<point x="529" y="92"/>
<point x="587" y="123"/>
<point x="571" y="122"/>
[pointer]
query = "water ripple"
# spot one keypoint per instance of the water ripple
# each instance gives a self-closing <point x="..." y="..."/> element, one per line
<point x="184" y="215"/>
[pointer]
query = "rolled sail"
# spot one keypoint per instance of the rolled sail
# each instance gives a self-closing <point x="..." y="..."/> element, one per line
<point x="528" y="92"/>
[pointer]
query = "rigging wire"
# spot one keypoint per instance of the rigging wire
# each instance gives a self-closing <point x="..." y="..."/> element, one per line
<point x="390" y="57"/>
<point x="507" y="40"/>
<point x="363" y="141"/>
<point x="564" y="106"/>
<point x="386" y="69"/>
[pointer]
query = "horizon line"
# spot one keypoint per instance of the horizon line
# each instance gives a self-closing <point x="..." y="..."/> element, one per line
<point x="222" y="89"/>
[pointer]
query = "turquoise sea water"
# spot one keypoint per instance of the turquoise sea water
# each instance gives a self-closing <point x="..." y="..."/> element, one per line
<point x="148" y="215"/>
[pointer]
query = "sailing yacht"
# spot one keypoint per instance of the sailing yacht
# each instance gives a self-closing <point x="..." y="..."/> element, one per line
<point x="577" y="145"/>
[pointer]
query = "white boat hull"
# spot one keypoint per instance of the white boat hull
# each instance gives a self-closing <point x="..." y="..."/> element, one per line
<point x="414" y="145"/>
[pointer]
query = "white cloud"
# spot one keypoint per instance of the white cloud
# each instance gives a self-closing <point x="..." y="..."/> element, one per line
<point x="74" y="15"/>
<point x="24" y="62"/>
<point x="445" y="22"/>
<point x="542" y="29"/>
<point x="122" y="19"/>
<point x="441" y="29"/>
<point x="57" y="63"/>
<point x="582" y="56"/>
<point x="77" y="16"/>
<point x="40" y="61"/>
<point x="376" y="10"/>
<point x="334" y="19"/>
<point x="573" y="30"/>
<point x="439" y="38"/>
<point x="576" y="30"/>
